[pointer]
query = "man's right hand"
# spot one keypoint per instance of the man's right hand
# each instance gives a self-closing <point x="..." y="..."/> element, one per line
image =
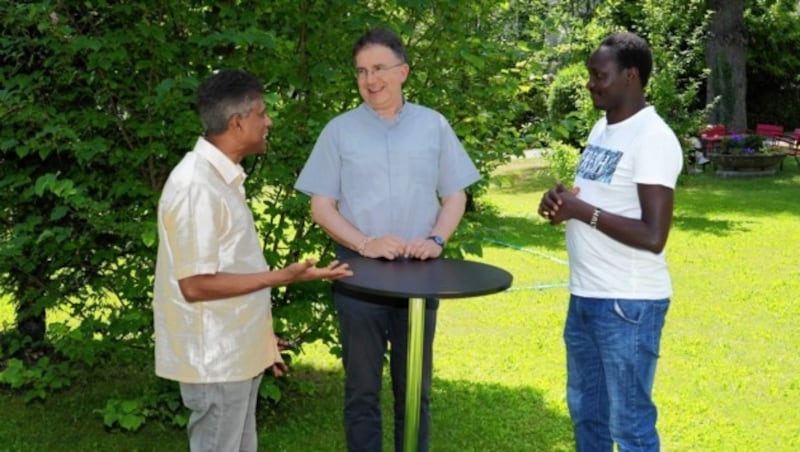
<point x="308" y="271"/>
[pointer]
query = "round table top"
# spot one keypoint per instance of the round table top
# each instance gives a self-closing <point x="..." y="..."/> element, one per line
<point x="436" y="278"/>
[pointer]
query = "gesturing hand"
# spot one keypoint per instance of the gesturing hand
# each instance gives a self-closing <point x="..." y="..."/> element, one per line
<point x="307" y="271"/>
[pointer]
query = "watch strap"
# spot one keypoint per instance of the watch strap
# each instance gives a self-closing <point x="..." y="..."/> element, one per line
<point x="437" y="239"/>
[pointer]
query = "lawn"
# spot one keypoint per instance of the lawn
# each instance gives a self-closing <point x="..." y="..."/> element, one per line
<point x="728" y="378"/>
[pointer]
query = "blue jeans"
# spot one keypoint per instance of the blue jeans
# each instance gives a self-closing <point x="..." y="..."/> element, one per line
<point x="366" y="324"/>
<point x="612" y="350"/>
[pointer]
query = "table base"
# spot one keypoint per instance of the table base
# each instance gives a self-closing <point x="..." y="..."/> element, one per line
<point x="416" y="338"/>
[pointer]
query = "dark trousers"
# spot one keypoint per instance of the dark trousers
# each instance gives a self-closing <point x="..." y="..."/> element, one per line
<point x="366" y="324"/>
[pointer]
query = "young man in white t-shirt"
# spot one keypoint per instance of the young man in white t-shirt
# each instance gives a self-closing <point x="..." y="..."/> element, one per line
<point x="618" y="216"/>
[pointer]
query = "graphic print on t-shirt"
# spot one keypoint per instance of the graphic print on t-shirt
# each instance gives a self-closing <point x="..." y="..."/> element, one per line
<point x="598" y="164"/>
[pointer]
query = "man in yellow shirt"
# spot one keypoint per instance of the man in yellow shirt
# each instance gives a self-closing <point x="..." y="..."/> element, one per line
<point x="211" y="300"/>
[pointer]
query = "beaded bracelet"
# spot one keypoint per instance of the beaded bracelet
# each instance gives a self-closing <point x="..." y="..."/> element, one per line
<point x="595" y="217"/>
<point x="363" y="246"/>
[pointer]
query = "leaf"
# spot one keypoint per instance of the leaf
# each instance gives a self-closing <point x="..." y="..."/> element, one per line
<point x="83" y="42"/>
<point x="8" y="144"/>
<point x="269" y="390"/>
<point x="474" y="60"/>
<point x="149" y="236"/>
<point x="181" y="419"/>
<point x="22" y="150"/>
<point x="44" y="183"/>
<point x="131" y="422"/>
<point x="130" y="406"/>
<point x="58" y="213"/>
<point x="165" y="87"/>
<point x="109" y="417"/>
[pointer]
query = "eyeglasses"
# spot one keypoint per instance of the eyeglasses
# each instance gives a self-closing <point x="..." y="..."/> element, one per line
<point x="376" y="71"/>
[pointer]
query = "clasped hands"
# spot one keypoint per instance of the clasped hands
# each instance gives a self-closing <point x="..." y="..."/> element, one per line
<point x="394" y="247"/>
<point x="559" y="204"/>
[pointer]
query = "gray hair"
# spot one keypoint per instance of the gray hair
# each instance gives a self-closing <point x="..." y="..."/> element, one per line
<point x="224" y="94"/>
<point x="383" y="37"/>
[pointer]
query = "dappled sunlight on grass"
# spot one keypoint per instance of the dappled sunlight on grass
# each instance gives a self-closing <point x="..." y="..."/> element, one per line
<point x="727" y="377"/>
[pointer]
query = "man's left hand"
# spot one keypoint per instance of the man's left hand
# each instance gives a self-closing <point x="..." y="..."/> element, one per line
<point x="423" y="249"/>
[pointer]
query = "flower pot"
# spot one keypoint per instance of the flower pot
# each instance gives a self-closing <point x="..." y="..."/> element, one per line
<point x="758" y="163"/>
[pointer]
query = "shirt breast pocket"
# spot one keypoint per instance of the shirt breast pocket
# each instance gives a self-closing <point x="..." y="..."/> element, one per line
<point x="361" y="162"/>
<point x="422" y="167"/>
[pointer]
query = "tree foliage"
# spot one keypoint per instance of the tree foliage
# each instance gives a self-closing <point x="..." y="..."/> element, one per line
<point x="677" y="44"/>
<point x="773" y="62"/>
<point x="98" y="105"/>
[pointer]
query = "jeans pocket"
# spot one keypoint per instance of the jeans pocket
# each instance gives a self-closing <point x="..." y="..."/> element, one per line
<point x="630" y="311"/>
<point x="646" y="318"/>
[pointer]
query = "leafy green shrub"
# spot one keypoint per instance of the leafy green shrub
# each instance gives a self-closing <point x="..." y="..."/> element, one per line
<point x="569" y="105"/>
<point x="36" y="380"/>
<point x="160" y="401"/>
<point x="562" y="161"/>
<point x="93" y="121"/>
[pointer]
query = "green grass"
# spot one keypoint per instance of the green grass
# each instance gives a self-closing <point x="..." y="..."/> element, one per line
<point x="728" y="378"/>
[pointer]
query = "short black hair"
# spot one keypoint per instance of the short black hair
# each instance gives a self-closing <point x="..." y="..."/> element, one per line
<point x="384" y="37"/>
<point x="630" y="50"/>
<point x="225" y="93"/>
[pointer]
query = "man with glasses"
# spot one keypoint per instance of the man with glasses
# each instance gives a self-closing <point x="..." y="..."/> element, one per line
<point x="386" y="180"/>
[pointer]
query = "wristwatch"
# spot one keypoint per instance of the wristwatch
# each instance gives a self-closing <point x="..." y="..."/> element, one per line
<point x="437" y="239"/>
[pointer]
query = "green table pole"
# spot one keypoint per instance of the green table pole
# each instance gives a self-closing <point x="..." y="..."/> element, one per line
<point x="416" y="337"/>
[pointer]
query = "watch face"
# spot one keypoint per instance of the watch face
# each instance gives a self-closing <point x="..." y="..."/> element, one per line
<point x="437" y="239"/>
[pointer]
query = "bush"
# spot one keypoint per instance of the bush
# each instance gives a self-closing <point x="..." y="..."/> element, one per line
<point x="569" y="105"/>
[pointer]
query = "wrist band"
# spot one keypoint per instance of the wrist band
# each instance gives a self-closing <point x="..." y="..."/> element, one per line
<point x="595" y="217"/>
<point x="363" y="246"/>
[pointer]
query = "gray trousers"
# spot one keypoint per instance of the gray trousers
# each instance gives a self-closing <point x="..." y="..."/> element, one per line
<point x="223" y="415"/>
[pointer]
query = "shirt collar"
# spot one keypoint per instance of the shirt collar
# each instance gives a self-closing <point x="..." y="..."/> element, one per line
<point x="400" y="113"/>
<point x="232" y="173"/>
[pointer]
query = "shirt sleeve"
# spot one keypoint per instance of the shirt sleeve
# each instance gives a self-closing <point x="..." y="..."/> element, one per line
<point x="320" y="174"/>
<point x="659" y="160"/>
<point x="192" y="225"/>
<point x="456" y="169"/>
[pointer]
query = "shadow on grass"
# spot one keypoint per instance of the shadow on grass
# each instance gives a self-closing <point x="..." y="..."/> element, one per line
<point x="709" y="226"/>
<point x="707" y="193"/>
<point x="70" y="421"/>
<point x="709" y="204"/>
<point x="470" y="416"/>
<point x="467" y="416"/>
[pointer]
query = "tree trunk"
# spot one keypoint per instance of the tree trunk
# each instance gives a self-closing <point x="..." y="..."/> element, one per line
<point x="32" y="325"/>
<point x="31" y="318"/>
<point x="726" y="47"/>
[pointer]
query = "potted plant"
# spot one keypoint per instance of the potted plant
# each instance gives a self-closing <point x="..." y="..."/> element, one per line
<point x="746" y="153"/>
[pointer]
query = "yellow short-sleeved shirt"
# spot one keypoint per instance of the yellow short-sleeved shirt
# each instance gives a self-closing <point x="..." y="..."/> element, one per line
<point x="205" y="226"/>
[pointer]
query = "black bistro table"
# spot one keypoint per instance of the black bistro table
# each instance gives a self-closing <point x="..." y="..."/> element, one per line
<point x="418" y="280"/>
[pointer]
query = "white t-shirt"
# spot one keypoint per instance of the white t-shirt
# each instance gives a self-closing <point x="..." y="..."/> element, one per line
<point x="639" y="150"/>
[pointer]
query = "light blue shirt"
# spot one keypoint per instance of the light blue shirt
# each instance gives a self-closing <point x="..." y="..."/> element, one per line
<point x="388" y="177"/>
